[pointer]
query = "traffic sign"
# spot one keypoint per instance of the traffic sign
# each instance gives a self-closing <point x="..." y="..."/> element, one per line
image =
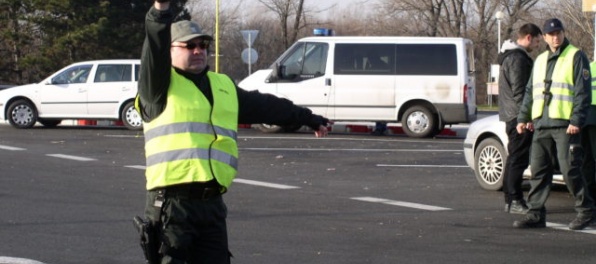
<point x="249" y="56"/>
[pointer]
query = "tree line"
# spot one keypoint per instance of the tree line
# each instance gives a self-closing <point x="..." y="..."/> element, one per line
<point x="42" y="36"/>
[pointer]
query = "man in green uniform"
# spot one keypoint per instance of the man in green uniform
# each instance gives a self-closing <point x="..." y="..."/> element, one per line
<point x="555" y="107"/>
<point x="191" y="118"/>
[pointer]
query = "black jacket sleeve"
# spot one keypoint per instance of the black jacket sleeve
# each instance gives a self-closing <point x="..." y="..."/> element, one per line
<point x="156" y="63"/>
<point x="256" y="108"/>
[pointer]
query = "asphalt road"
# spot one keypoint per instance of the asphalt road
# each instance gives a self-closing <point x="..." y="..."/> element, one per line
<point x="69" y="194"/>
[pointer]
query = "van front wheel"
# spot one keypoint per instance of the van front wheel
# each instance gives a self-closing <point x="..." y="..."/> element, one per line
<point x="419" y="122"/>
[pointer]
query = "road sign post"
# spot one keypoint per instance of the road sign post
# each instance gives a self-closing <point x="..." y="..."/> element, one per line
<point x="249" y="55"/>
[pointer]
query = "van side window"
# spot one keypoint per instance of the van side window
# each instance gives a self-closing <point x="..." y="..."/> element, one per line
<point x="367" y="59"/>
<point x="113" y="73"/>
<point x="307" y="60"/>
<point x="426" y="59"/>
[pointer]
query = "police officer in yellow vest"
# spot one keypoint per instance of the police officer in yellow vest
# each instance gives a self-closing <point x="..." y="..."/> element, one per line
<point x="589" y="141"/>
<point x="191" y="117"/>
<point x="555" y="107"/>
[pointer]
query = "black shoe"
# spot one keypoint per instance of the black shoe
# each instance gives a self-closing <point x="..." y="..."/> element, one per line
<point x="580" y="222"/>
<point x="518" y="207"/>
<point x="531" y="221"/>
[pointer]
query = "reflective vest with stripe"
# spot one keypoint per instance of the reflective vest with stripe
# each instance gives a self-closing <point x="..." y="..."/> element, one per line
<point x="593" y="71"/>
<point x="561" y="88"/>
<point x="192" y="141"/>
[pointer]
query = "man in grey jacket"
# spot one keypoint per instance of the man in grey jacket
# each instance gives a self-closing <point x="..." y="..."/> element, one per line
<point x="515" y="70"/>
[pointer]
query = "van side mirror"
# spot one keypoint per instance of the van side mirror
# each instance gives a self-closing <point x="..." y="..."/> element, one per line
<point x="275" y="73"/>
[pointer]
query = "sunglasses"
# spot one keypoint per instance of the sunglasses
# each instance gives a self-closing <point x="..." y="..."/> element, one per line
<point x="203" y="44"/>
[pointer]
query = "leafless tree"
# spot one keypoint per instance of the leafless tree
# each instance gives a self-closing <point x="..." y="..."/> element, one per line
<point x="285" y="10"/>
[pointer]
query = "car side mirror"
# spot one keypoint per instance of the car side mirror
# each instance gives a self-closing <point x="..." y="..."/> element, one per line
<point x="275" y="74"/>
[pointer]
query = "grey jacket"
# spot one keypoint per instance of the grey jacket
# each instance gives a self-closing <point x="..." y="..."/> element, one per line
<point x="514" y="72"/>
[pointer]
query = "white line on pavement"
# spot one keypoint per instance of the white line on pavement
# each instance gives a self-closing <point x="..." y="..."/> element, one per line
<point x="9" y="260"/>
<point x="368" y="150"/>
<point x="139" y="167"/>
<point x="422" y="166"/>
<point x="400" y="203"/>
<point x="266" y="184"/>
<point x="588" y="230"/>
<point x="62" y="156"/>
<point x="10" y="148"/>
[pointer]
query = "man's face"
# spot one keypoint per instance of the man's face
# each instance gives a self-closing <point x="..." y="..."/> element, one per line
<point x="554" y="39"/>
<point x="534" y="43"/>
<point x="190" y="56"/>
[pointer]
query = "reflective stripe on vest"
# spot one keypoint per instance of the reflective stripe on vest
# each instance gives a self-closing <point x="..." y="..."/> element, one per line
<point x="561" y="88"/>
<point x="191" y="141"/>
<point x="593" y="71"/>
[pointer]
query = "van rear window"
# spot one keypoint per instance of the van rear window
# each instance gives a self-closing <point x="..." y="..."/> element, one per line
<point x="426" y="59"/>
<point x="395" y="59"/>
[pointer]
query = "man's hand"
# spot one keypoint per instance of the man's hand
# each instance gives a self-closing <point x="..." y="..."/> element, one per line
<point x="522" y="127"/>
<point x="572" y="130"/>
<point x="162" y="5"/>
<point x="322" y="132"/>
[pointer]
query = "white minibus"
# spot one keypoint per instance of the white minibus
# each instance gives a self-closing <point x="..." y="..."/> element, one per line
<point x="423" y="82"/>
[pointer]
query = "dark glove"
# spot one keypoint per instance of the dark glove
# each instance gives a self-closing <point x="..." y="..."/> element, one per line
<point x="317" y="121"/>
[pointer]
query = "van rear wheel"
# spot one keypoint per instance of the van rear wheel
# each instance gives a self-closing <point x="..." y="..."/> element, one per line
<point x="419" y="122"/>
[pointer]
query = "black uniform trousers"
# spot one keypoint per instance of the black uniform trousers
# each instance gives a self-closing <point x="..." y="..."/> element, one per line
<point x="517" y="161"/>
<point x="589" y="162"/>
<point x="548" y="144"/>
<point x="194" y="227"/>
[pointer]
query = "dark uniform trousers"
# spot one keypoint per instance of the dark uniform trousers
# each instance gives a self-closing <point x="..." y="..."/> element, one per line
<point x="589" y="163"/>
<point x="547" y="143"/>
<point x="517" y="161"/>
<point x="194" y="227"/>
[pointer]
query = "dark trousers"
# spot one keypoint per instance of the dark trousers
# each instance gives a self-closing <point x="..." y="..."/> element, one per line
<point x="517" y="161"/>
<point x="589" y="164"/>
<point x="194" y="230"/>
<point x="546" y="145"/>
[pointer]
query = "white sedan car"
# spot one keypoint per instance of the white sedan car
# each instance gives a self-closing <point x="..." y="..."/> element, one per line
<point x="485" y="150"/>
<point x="95" y="90"/>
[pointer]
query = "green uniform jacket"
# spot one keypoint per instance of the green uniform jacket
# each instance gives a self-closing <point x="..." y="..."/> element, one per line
<point x="581" y="88"/>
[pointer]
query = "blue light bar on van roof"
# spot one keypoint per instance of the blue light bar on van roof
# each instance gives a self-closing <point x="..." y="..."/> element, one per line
<point x="323" y="32"/>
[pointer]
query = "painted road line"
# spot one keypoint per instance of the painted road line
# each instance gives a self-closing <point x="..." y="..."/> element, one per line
<point x="423" y="166"/>
<point x="10" y="148"/>
<point x="138" y="167"/>
<point x="354" y="150"/>
<point x="266" y="184"/>
<point x="588" y="230"/>
<point x="400" y="203"/>
<point x="9" y="260"/>
<point x="77" y="158"/>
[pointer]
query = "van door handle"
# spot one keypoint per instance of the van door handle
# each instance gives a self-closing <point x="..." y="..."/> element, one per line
<point x="327" y="81"/>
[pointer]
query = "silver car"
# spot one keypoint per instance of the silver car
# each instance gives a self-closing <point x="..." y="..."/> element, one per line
<point x="485" y="150"/>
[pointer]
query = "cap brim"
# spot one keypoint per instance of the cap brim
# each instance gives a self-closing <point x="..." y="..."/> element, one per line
<point x="553" y="30"/>
<point x="192" y="36"/>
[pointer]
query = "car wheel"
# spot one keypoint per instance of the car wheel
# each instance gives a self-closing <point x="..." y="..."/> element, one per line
<point x="131" y="118"/>
<point x="419" y="122"/>
<point x="49" y="122"/>
<point x="22" y="114"/>
<point x="489" y="164"/>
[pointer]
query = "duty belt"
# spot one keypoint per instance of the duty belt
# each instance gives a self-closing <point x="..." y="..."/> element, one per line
<point x="200" y="191"/>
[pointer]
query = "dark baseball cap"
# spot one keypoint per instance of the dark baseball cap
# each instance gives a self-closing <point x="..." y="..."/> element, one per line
<point x="185" y="30"/>
<point x="552" y="25"/>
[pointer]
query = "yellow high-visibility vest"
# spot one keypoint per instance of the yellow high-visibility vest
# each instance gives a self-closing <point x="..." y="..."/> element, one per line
<point x="561" y="88"/>
<point x="192" y="141"/>
<point x="593" y="71"/>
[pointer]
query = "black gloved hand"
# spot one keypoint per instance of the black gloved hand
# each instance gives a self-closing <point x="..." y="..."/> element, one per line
<point x="317" y="121"/>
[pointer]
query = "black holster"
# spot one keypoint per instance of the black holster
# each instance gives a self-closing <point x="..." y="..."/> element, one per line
<point x="149" y="236"/>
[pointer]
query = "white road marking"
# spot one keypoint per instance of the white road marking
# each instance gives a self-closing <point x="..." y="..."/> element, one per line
<point x="355" y="150"/>
<point x="139" y="167"/>
<point x="9" y="260"/>
<point x="400" y="203"/>
<point x="266" y="184"/>
<point x="10" y="148"/>
<point x="588" y="230"/>
<point x="423" y="166"/>
<point x="62" y="156"/>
